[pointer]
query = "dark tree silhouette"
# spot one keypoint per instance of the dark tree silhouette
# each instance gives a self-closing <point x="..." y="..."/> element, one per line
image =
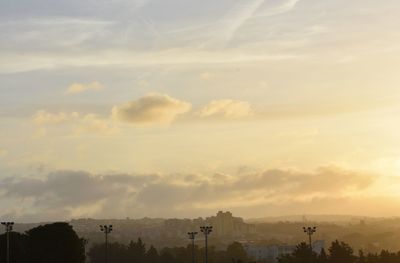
<point x="361" y="257"/>
<point x="152" y="255"/>
<point x="17" y="248"/>
<point x="236" y="252"/>
<point x="56" y="242"/>
<point x="116" y="253"/>
<point x="340" y="252"/>
<point x="137" y="250"/>
<point x="167" y="257"/>
<point x="302" y="254"/>
<point x="389" y="257"/>
<point x="323" y="257"/>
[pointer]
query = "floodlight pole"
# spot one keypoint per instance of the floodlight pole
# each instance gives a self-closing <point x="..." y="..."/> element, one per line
<point x="206" y="230"/>
<point x="9" y="227"/>
<point x="192" y="236"/>
<point x="310" y="231"/>
<point x="106" y="229"/>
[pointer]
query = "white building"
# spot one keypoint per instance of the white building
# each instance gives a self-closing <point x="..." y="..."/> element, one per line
<point x="272" y="252"/>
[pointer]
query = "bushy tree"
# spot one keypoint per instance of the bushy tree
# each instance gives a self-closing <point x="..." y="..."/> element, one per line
<point x="361" y="257"/>
<point x="56" y="242"/>
<point x="340" y="252"/>
<point x="115" y="253"/>
<point x="322" y="257"/>
<point x="302" y="254"/>
<point x="152" y="255"/>
<point x="236" y="252"/>
<point x="136" y="250"/>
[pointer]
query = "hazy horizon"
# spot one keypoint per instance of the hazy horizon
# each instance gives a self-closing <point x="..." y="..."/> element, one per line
<point x="293" y="218"/>
<point x="134" y="108"/>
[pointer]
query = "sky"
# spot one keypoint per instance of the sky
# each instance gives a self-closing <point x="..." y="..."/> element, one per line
<point x="181" y="108"/>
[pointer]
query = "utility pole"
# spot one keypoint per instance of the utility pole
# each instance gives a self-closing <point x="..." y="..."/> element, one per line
<point x="85" y="242"/>
<point x="106" y="230"/>
<point x="9" y="227"/>
<point x="310" y="231"/>
<point x="192" y="236"/>
<point x="206" y="230"/>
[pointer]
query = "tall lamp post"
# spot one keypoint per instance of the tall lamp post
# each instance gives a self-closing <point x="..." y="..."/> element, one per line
<point x="9" y="227"/>
<point x="106" y="230"/>
<point x="85" y="242"/>
<point x="310" y="231"/>
<point x="192" y="236"/>
<point x="206" y="230"/>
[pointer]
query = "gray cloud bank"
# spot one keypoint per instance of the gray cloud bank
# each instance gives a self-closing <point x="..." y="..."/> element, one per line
<point x="71" y="194"/>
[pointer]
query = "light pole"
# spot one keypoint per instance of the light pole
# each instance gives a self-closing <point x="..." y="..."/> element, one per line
<point x="192" y="236"/>
<point x="106" y="230"/>
<point x="310" y="231"/>
<point x="206" y="230"/>
<point x="85" y="242"/>
<point x="9" y="227"/>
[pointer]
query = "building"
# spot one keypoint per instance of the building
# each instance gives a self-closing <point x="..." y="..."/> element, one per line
<point x="271" y="253"/>
<point x="226" y="225"/>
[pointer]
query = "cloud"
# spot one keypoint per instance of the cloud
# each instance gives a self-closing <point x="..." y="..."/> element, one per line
<point x="93" y="124"/>
<point x="43" y="117"/>
<point x="206" y="75"/>
<point x="83" y="194"/>
<point x="151" y="109"/>
<point x="229" y="109"/>
<point x="3" y="153"/>
<point x="126" y="58"/>
<point x="240" y="13"/>
<point x="80" y="123"/>
<point x="67" y="193"/>
<point x="237" y="16"/>
<point x="280" y="7"/>
<point x="80" y="87"/>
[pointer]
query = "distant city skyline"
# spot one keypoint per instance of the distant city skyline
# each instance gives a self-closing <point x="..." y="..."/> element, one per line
<point x="134" y="108"/>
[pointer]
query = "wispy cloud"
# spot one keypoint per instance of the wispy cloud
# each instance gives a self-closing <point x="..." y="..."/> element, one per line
<point x="15" y="63"/>
<point x="43" y="117"/>
<point x="79" y="123"/>
<point x="282" y="7"/>
<point x="234" y="19"/>
<point x="3" y="153"/>
<point x="240" y="13"/>
<point x="82" y="87"/>
<point x="226" y="109"/>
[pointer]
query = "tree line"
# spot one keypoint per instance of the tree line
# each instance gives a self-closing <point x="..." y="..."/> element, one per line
<point x="49" y="243"/>
<point x="137" y="252"/>
<point x="338" y="252"/>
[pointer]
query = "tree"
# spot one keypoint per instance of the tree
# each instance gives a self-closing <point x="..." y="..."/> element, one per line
<point x="236" y="252"/>
<point x="55" y="242"/>
<point x="116" y="253"/>
<point x="340" y="252"/>
<point x="302" y="254"/>
<point x="136" y="251"/>
<point x="151" y="255"/>
<point x="361" y="257"/>
<point x="17" y="247"/>
<point x="322" y="258"/>
<point x="166" y="257"/>
<point x="388" y="257"/>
